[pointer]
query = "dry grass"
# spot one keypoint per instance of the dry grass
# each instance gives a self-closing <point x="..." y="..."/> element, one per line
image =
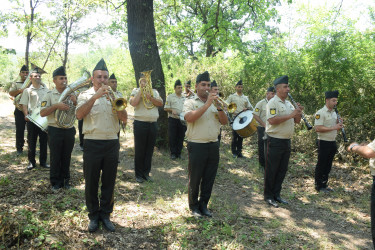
<point x="155" y="215"/>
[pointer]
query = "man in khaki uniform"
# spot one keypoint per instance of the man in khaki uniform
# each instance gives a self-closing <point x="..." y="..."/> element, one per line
<point x="260" y="116"/>
<point x="176" y="130"/>
<point x="100" y="147"/>
<point x="216" y="91"/>
<point x="242" y="103"/>
<point x="203" y="126"/>
<point x="60" y="140"/>
<point x="326" y="126"/>
<point x="281" y="117"/>
<point x="188" y="93"/>
<point x="367" y="150"/>
<point x="145" y="128"/>
<point x="112" y="82"/>
<point x="15" y="90"/>
<point x="30" y="100"/>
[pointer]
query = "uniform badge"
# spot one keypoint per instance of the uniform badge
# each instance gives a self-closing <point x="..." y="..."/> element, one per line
<point x="273" y="111"/>
<point x="217" y="116"/>
<point x="44" y="104"/>
<point x="317" y="116"/>
<point x="256" y="110"/>
<point x="166" y="103"/>
<point x="196" y="106"/>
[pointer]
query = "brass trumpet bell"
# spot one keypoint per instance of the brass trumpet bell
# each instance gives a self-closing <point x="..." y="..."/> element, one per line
<point x="119" y="104"/>
<point x="232" y="107"/>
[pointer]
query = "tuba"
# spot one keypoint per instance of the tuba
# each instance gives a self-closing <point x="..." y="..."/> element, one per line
<point x="66" y="118"/>
<point x="25" y="85"/>
<point x="147" y="89"/>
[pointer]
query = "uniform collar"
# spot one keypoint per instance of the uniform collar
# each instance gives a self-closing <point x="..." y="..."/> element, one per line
<point x="238" y="94"/>
<point x="278" y="99"/>
<point x="41" y="87"/>
<point x="326" y="109"/>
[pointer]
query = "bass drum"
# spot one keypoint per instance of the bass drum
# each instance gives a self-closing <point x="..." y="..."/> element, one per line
<point x="41" y="122"/>
<point x="182" y="118"/>
<point x="245" y="124"/>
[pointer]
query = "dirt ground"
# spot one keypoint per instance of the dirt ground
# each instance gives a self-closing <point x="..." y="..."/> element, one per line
<point x="156" y="216"/>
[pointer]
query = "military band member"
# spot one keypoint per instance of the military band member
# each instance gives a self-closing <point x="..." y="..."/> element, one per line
<point x="203" y="126"/>
<point x="260" y="116"/>
<point x="176" y="130"/>
<point x="60" y="140"/>
<point x="112" y="82"/>
<point x="215" y="90"/>
<point x="367" y="150"/>
<point x="30" y="100"/>
<point x="145" y="129"/>
<point x="188" y="93"/>
<point x="326" y="126"/>
<point x="242" y="103"/>
<point x="15" y="90"/>
<point x="281" y="116"/>
<point x="101" y="147"/>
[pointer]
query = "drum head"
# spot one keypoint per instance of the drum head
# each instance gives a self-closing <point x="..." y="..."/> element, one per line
<point x="242" y="119"/>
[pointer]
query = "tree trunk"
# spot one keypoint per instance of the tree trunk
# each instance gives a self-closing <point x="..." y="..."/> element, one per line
<point x="145" y="54"/>
<point x="29" y="33"/>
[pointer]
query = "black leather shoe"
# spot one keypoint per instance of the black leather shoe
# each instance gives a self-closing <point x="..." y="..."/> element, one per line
<point x="196" y="213"/>
<point x="240" y="155"/>
<point x="139" y="179"/>
<point x="280" y="200"/>
<point x="235" y="156"/>
<point x="93" y="225"/>
<point x="205" y="212"/>
<point x="19" y="152"/>
<point x="55" y="188"/>
<point x="149" y="179"/>
<point x="30" y="166"/>
<point x="325" y="190"/>
<point x="108" y="225"/>
<point x="272" y="202"/>
<point x="45" y="165"/>
<point x="67" y="186"/>
<point x="173" y="157"/>
<point x="81" y="148"/>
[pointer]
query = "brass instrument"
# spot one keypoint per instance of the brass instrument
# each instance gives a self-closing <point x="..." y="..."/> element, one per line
<point x="66" y="118"/>
<point x="118" y="103"/>
<point x="147" y="89"/>
<point x="25" y="85"/>
<point x="231" y="107"/>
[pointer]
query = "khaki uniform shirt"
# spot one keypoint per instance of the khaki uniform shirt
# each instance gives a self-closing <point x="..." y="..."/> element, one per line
<point x="372" y="160"/>
<point x="32" y="97"/>
<point x="276" y="107"/>
<point x="52" y="97"/>
<point x="207" y="127"/>
<point x="327" y="119"/>
<point x="141" y="113"/>
<point x="100" y="123"/>
<point x="241" y="101"/>
<point x="261" y="110"/>
<point x="176" y="103"/>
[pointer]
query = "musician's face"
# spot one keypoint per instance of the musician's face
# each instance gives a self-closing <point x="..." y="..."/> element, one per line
<point x="35" y="78"/>
<point x="239" y="89"/>
<point x="23" y="75"/>
<point x="202" y="88"/>
<point x="99" y="78"/>
<point x="113" y="84"/>
<point x="178" y="89"/>
<point x="215" y="90"/>
<point x="270" y="95"/>
<point x="331" y="103"/>
<point x="282" y="90"/>
<point x="60" y="81"/>
<point x="187" y="87"/>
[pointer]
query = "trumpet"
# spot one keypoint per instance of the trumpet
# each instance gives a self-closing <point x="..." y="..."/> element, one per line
<point x="118" y="103"/>
<point x="231" y="107"/>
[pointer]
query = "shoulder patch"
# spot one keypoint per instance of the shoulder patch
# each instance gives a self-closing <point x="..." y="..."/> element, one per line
<point x="273" y="111"/>
<point x="317" y="116"/>
<point x="166" y="103"/>
<point x="43" y="104"/>
<point x="256" y="109"/>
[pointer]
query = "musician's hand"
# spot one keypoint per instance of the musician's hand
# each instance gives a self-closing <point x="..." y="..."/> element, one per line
<point x="300" y="106"/>
<point x="62" y="106"/>
<point x="349" y="148"/>
<point x="103" y="90"/>
<point x="73" y="98"/>
<point x="296" y="113"/>
<point x="148" y="96"/>
<point x="338" y="126"/>
<point x="211" y="97"/>
<point x="27" y="119"/>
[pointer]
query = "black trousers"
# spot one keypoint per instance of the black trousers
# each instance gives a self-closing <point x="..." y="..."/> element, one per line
<point x="277" y="160"/>
<point x="326" y="153"/>
<point x="261" y="143"/>
<point x="33" y="132"/>
<point x="61" y="143"/>
<point x="144" y="142"/>
<point x="19" y="118"/>
<point x="80" y="126"/>
<point x="203" y="164"/>
<point x="373" y="211"/>
<point x="236" y="144"/>
<point x="176" y="134"/>
<point x="100" y="156"/>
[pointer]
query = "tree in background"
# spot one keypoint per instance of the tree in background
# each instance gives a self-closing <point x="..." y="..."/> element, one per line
<point x="145" y="53"/>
